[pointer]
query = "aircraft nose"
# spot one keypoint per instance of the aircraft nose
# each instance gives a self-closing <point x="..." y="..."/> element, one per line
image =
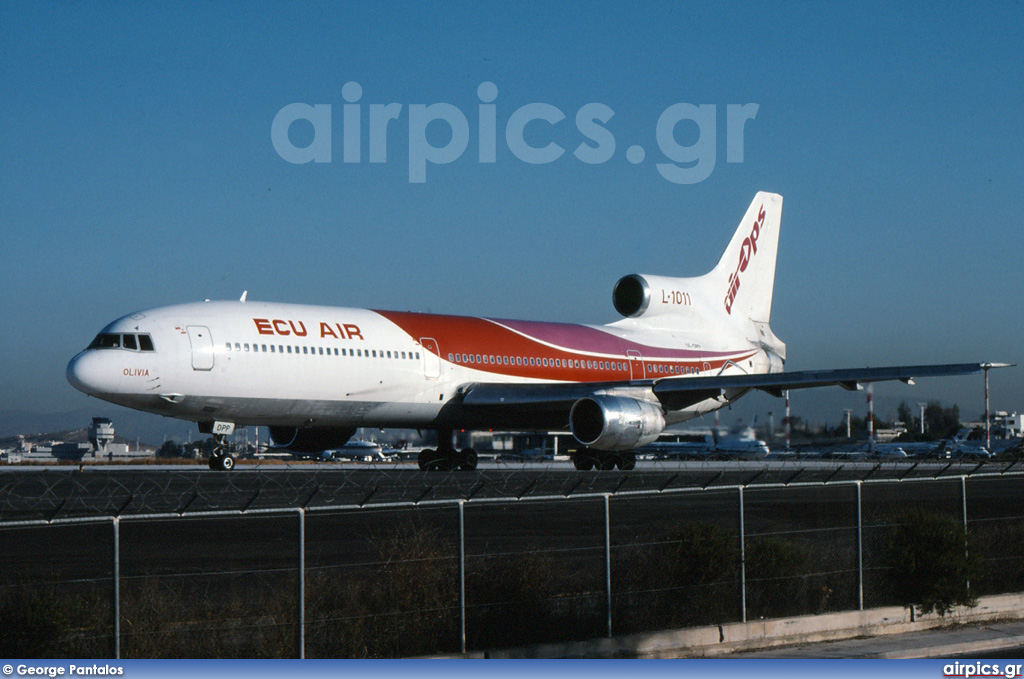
<point x="87" y="373"/>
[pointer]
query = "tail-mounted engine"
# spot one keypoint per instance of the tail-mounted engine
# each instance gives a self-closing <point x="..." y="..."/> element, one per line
<point x="615" y="422"/>
<point x="646" y="296"/>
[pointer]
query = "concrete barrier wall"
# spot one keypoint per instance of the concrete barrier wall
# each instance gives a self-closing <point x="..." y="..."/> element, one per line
<point x="743" y="636"/>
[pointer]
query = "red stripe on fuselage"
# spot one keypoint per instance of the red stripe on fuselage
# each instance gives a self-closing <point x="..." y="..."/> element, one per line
<point x="495" y="345"/>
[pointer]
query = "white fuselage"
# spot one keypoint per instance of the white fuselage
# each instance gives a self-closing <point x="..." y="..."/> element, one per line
<point x="256" y="363"/>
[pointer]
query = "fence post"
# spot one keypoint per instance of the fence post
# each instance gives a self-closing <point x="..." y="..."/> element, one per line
<point x="302" y="583"/>
<point x="743" y="562"/>
<point x="462" y="573"/>
<point x="608" y="558"/>
<point x="860" y="550"/>
<point x="116" y="523"/>
<point x="963" y="497"/>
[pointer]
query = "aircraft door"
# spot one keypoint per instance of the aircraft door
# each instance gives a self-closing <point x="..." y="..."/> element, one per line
<point x="431" y="358"/>
<point x="202" y="347"/>
<point x="636" y="365"/>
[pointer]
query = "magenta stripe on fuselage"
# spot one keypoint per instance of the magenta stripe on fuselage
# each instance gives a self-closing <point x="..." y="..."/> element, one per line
<point x="571" y="337"/>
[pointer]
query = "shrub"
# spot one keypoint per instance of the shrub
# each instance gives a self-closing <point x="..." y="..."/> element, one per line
<point x="931" y="562"/>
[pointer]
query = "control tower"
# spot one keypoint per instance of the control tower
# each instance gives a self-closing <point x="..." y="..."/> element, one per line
<point x="101" y="435"/>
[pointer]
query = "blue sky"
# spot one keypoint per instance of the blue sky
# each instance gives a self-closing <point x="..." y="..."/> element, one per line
<point x="139" y="170"/>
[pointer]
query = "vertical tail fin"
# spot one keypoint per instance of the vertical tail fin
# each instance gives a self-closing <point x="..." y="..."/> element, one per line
<point x="739" y="287"/>
<point x="745" y="276"/>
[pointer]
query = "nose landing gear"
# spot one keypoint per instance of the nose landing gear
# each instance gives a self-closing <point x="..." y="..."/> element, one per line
<point x="220" y="459"/>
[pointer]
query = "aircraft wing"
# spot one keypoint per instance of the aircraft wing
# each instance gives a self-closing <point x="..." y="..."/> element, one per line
<point x="678" y="392"/>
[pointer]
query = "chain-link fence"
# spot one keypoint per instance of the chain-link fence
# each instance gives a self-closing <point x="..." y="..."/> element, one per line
<point x="447" y="575"/>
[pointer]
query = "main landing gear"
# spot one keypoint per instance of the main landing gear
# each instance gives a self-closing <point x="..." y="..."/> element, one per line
<point x="587" y="459"/>
<point x="221" y="459"/>
<point x="446" y="458"/>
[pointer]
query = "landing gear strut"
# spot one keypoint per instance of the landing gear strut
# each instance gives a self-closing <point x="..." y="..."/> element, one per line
<point x="220" y="459"/>
<point x="446" y="458"/>
<point x="587" y="459"/>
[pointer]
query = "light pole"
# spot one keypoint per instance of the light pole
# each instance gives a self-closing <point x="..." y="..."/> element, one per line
<point x="871" y="416"/>
<point x="988" y="428"/>
<point x="848" y="412"/>
<point x="789" y="428"/>
<point x="922" y="407"/>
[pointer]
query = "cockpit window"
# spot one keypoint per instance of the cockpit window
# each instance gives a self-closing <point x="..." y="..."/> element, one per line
<point x="104" y="341"/>
<point x="129" y="341"/>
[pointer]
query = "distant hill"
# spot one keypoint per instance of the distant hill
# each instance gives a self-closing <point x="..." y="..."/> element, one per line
<point x="129" y="425"/>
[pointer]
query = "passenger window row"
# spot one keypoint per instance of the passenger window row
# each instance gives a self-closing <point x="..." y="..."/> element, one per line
<point x="129" y="341"/>
<point x="319" y="351"/>
<point x="672" y="369"/>
<point x="533" y="361"/>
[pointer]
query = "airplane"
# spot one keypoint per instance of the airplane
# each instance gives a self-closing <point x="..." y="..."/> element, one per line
<point x="314" y="374"/>
<point x="360" y="451"/>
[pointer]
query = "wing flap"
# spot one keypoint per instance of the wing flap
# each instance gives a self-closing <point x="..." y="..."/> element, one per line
<point x="851" y="378"/>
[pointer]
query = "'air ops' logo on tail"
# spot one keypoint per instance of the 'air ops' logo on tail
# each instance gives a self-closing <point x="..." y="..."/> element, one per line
<point x="747" y="250"/>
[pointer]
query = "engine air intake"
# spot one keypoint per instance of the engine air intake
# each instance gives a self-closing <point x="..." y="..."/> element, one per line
<point x="631" y="296"/>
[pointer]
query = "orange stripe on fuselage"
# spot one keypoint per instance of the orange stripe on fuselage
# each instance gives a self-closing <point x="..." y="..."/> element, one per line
<point x="479" y="337"/>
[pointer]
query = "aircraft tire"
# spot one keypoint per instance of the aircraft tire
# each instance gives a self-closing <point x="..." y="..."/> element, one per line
<point x="627" y="461"/>
<point x="444" y="463"/>
<point x="222" y="463"/>
<point x="583" y="462"/>
<point x="468" y="460"/>
<point x="425" y="458"/>
<point x="607" y="461"/>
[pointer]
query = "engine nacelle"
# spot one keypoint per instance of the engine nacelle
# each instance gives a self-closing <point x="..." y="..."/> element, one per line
<point x="310" y="439"/>
<point x="615" y="422"/>
<point x="646" y="296"/>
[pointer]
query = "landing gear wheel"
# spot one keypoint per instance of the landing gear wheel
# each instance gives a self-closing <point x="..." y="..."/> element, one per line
<point x="426" y="457"/>
<point x="436" y="460"/>
<point x="220" y="458"/>
<point x="607" y="461"/>
<point x="468" y="460"/>
<point x="583" y="461"/>
<point x="627" y="461"/>
<point x="222" y="463"/>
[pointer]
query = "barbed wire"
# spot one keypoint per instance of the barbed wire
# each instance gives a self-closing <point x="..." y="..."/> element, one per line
<point x="52" y="493"/>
